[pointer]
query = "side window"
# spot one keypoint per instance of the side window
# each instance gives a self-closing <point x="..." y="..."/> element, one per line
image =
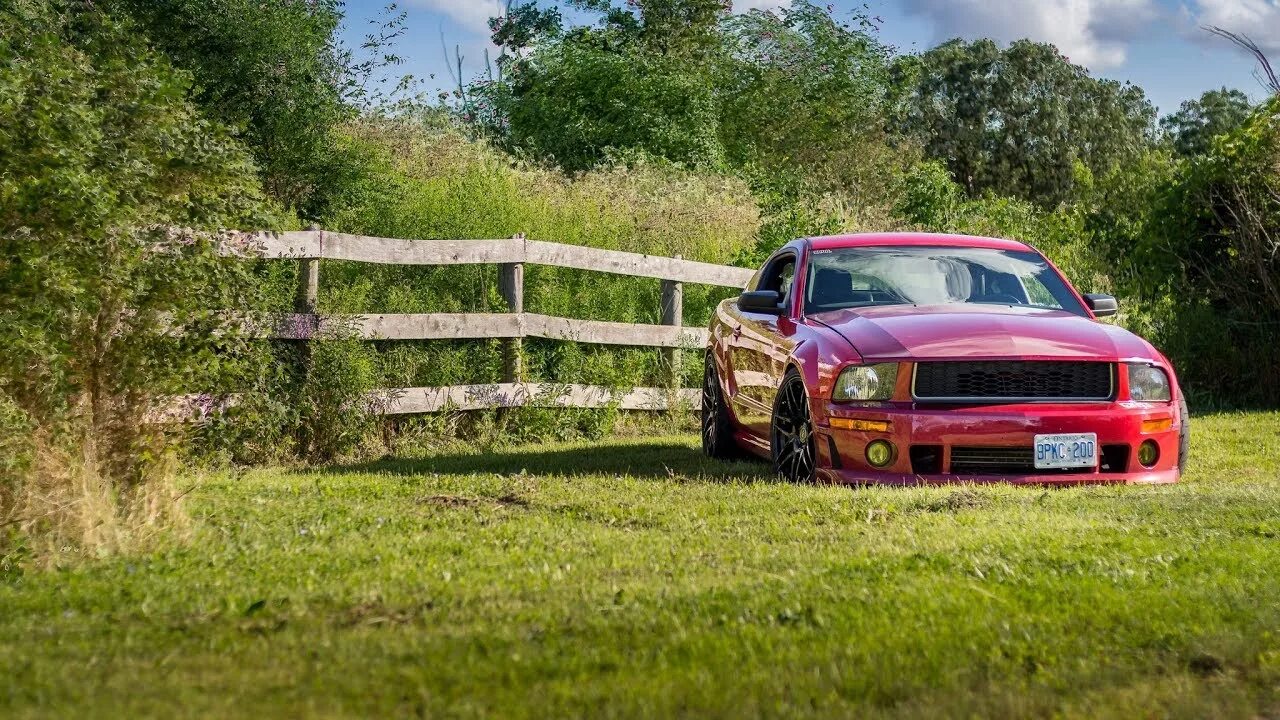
<point x="779" y="276"/>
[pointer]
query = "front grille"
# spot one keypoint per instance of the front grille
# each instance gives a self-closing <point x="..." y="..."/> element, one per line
<point x="992" y="460"/>
<point x="1005" y="381"/>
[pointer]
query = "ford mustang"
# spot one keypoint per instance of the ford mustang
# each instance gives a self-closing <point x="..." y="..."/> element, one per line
<point x="906" y="358"/>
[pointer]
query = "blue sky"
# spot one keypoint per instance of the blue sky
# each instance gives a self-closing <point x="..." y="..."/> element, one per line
<point x="1157" y="44"/>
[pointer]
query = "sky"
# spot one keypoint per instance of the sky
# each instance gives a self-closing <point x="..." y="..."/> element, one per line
<point x="1157" y="44"/>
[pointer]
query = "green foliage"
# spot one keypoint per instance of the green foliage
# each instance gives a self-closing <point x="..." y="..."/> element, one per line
<point x="806" y="95"/>
<point x="272" y="71"/>
<point x="339" y="407"/>
<point x="796" y="92"/>
<point x="1197" y="122"/>
<point x="101" y="309"/>
<point x="1216" y="242"/>
<point x="681" y="27"/>
<point x="17" y="447"/>
<point x="565" y="104"/>
<point x="1017" y="121"/>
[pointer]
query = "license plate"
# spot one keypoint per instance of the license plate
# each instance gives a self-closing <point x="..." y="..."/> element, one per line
<point x="1078" y="450"/>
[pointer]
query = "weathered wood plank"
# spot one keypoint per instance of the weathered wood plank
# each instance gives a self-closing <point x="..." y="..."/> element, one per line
<point x="408" y="401"/>
<point x="507" y="395"/>
<point x="390" y="251"/>
<point x="625" y="263"/>
<point x="435" y="326"/>
<point x="300" y="244"/>
<point x="473" y="326"/>
<point x="511" y="284"/>
<point x="612" y="333"/>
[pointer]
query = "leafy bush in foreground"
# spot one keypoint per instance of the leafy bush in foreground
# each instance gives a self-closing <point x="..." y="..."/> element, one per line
<point x="100" y="313"/>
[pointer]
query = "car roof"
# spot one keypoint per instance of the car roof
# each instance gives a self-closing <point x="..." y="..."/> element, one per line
<point x="831" y="242"/>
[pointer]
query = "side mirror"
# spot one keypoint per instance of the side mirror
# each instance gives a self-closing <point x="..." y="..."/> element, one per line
<point x="1102" y="305"/>
<point x="761" y="301"/>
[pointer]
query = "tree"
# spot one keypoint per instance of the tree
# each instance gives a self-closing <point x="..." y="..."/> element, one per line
<point x="271" y="70"/>
<point x="801" y="92"/>
<point x="1197" y="122"/>
<point x="579" y="96"/>
<point x="576" y="104"/>
<point x="1215" y="244"/>
<point x="1016" y="121"/>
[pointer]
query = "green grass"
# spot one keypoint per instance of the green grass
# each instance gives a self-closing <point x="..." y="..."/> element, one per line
<point x="634" y="578"/>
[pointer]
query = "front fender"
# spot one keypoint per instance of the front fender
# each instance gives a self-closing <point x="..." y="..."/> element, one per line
<point x="817" y="359"/>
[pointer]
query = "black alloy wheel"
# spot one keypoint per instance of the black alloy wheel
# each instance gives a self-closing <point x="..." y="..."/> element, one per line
<point x="792" y="440"/>
<point x="717" y="429"/>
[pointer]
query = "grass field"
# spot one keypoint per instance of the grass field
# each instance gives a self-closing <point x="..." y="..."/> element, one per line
<point x="633" y="578"/>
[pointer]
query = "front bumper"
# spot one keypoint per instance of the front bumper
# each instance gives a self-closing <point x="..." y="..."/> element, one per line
<point x="1118" y="425"/>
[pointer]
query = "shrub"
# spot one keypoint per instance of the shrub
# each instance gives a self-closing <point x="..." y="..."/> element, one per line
<point x="1216" y="243"/>
<point x="101" y="308"/>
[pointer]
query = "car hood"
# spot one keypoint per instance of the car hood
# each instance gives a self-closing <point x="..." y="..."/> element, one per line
<point x="942" y="332"/>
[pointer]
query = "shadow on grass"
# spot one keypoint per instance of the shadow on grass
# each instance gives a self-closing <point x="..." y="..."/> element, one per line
<point x="653" y="459"/>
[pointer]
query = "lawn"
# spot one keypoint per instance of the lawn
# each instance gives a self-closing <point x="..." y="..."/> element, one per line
<point x="633" y="578"/>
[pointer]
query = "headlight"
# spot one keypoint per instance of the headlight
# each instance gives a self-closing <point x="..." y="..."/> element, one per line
<point x="866" y="382"/>
<point x="1149" y="384"/>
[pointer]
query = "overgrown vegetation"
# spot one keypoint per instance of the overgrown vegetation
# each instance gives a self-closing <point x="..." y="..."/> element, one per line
<point x="105" y="305"/>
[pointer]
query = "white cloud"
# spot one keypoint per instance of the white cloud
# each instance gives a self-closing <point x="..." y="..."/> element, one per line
<point x="472" y="15"/>
<point x="1259" y="19"/>
<point x="1093" y="33"/>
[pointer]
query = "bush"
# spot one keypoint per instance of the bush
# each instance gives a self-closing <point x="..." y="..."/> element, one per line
<point x="1216" y="242"/>
<point x="102" y="307"/>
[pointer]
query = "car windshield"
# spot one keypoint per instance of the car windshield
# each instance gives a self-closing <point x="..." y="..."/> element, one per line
<point x="867" y="276"/>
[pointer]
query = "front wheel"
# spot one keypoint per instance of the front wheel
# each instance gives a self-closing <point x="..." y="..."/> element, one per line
<point x="717" y="429"/>
<point x="791" y="435"/>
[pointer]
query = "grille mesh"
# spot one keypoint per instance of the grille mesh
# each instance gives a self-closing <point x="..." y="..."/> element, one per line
<point x="1013" y="380"/>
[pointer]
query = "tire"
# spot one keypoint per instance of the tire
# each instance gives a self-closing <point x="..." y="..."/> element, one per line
<point x="717" y="428"/>
<point x="791" y="437"/>
<point x="1184" y="436"/>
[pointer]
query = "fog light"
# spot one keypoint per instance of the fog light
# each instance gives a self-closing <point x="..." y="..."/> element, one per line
<point x="880" y="453"/>
<point x="1148" y="453"/>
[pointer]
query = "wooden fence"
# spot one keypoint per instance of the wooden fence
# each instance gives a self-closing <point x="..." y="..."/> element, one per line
<point x="310" y="246"/>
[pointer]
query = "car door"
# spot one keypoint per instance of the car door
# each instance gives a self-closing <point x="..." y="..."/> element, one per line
<point x="757" y="351"/>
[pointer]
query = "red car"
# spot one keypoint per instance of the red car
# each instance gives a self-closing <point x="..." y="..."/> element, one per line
<point x="905" y="358"/>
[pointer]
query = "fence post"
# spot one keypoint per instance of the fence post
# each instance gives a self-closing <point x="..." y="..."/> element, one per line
<point x="672" y="314"/>
<point x="511" y="284"/>
<point x="308" y="282"/>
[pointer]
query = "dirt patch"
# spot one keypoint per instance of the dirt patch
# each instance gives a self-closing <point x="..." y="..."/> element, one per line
<point x="957" y="501"/>
<point x="462" y="501"/>
<point x="374" y="614"/>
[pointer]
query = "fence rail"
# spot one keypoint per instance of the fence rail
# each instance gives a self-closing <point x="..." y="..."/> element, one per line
<point x="308" y="247"/>
<point x="324" y="245"/>
<point x="474" y="326"/>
